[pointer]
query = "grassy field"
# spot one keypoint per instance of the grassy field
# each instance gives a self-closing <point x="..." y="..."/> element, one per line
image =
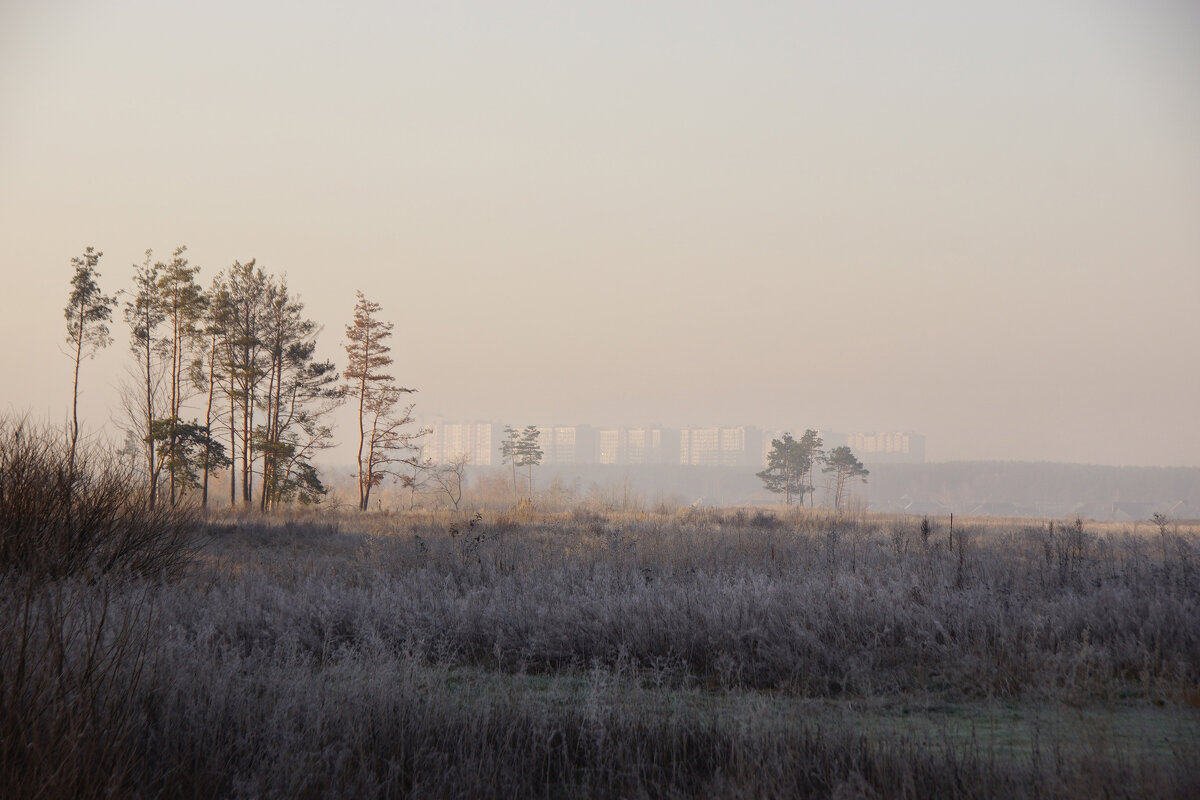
<point x="681" y="653"/>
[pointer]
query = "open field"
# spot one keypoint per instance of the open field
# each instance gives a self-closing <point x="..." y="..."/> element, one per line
<point x="687" y="653"/>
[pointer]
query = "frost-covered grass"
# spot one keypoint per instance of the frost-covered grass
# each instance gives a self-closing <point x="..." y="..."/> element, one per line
<point x="682" y="654"/>
<point x="816" y="607"/>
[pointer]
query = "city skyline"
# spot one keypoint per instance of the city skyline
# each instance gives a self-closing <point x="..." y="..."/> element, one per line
<point x="712" y="446"/>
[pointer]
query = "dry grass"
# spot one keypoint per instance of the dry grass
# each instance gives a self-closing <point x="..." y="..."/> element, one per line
<point x="587" y="654"/>
<point x="812" y="604"/>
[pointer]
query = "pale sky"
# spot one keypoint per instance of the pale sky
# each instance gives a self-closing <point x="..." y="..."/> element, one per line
<point x="977" y="221"/>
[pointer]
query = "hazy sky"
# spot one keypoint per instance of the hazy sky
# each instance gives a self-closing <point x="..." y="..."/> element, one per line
<point x="979" y="221"/>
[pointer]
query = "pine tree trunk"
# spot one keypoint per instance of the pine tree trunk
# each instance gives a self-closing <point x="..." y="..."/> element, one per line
<point x="362" y="401"/>
<point x="151" y="471"/>
<point x="212" y="356"/>
<point x="267" y="457"/>
<point x="232" y="439"/>
<point x="75" y="396"/>
<point x="174" y="410"/>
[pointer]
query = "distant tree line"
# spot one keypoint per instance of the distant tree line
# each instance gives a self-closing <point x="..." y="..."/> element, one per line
<point x="791" y="464"/>
<point x="227" y="377"/>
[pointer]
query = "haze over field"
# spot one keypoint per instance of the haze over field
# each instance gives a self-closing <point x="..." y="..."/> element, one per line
<point x="980" y="222"/>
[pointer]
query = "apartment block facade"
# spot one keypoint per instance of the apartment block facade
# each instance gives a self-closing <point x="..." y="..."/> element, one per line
<point x="897" y="448"/>
<point x="637" y="446"/>
<point x="479" y="441"/>
<point x="740" y="446"/>
<point x="567" y="444"/>
<point x="718" y="446"/>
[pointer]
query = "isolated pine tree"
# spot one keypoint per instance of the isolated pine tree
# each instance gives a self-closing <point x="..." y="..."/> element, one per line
<point x="88" y="313"/>
<point x="529" y="453"/>
<point x="844" y="466"/>
<point x="785" y="468"/>
<point x="381" y="424"/>
<point x="510" y="449"/>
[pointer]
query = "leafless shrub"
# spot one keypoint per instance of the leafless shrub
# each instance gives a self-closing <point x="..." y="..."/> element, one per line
<point x="73" y="658"/>
<point x="59" y="519"/>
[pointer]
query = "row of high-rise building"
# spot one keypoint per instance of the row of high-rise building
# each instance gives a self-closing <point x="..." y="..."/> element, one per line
<point x="733" y="446"/>
<point x="888" y="447"/>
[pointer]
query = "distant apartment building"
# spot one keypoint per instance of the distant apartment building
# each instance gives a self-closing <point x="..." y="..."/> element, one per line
<point x="885" y="448"/>
<point x="734" y="446"/>
<point x="567" y="444"/>
<point x="479" y="441"/>
<point x="637" y="446"/>
<point x="740" y="446"/>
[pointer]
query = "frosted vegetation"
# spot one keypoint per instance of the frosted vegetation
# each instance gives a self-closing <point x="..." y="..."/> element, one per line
<point x="676" y="653"/>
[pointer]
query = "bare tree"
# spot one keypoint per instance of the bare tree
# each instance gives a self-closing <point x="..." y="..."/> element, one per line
<point x="451" y="477"/>
<point x="380" y="425"/>
<point x="418" y="477"/>
<point x="88" y="313"/>
<point x="390" y="446"/>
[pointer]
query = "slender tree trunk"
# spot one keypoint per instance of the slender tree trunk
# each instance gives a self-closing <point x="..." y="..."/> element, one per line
<point x="212" y="357"/>
<point x="232" y="439"/>
<point x="245" y="399"/>
<point x="362" y="401"/>
<point x="275" y="429"/>
<point x="267" y="456"/>
<point x="245" y="450"/>
<point x="368" y="479"/>
<point x="171" y="460"/>
<point x="75" y="397"/>
<point x="248" y="449"/>
<point x="150" y="463"/>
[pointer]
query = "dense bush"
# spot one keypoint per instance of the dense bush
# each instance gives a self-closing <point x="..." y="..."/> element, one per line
<point x="77" y="543"/>
<point x="59" y="519"/>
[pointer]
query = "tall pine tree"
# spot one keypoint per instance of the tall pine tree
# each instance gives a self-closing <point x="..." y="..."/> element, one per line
<point x="381" y="436"/>
<point x="88" y="313"/>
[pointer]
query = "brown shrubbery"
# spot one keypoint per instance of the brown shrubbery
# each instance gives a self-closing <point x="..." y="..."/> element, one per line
<point x="59" y="520"/>
<point x="77" y="545"/>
